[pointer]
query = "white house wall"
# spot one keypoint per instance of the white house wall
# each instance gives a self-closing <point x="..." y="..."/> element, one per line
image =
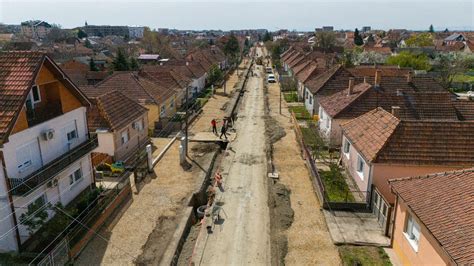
<point x="8" y="241"/>
<point x="63" y="192"/>
<point x="50" y="149"/>
<point x="324" y="124"/>
<point x="309" y="101"/>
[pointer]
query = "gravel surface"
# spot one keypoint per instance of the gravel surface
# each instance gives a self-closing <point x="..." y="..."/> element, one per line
<point x="309" y="242"/>
<point x="243" y="235"/>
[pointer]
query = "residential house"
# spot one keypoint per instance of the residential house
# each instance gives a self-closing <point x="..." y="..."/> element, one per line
<point x="35" y="29"/>
<point x="148" y="58"/>
<point x="121" y="125"/>
<point x="379" y="146"/>
<point x="336" y="79"/>
<point x="419" y="97"/>
<point x="156" y="96"/>
<point x="434" y="221"/>
<point x="45" y="147"/>
<point x="80" y="74"/>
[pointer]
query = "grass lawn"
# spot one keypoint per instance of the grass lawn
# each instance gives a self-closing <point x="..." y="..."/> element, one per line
<point x="290" y="97"/>
<point x="311" y="138"/>
<point x="362" y="255"/>
<point x="300" y="112"/>
<point x="335" y="185"/>
<point x="463" y="78"/>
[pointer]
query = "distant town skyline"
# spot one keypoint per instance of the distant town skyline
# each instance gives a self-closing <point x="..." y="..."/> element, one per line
<point x="234" y="14"/>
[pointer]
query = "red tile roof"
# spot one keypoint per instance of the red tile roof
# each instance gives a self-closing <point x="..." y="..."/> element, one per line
<point x="113" y="110"/>
<point x="465" y="109"/>
<point x="411" y="142"/>
<point x="444" y="204"/>
<point x="18" y="71"/>
<point x="369" y="133"/>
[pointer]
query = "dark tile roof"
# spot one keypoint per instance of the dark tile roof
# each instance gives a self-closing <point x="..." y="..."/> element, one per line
<point x="465" y="109"/>
<point x="335" y="77"/>
<point x="113" y="110"/>
<point x="412" y="142"/>
<point x="421" y="99"/>
<point x="444" y="204"/>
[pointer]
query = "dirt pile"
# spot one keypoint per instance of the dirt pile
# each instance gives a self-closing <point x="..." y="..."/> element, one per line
<point x="205" y="148"/>
<point x="273" y="130"/>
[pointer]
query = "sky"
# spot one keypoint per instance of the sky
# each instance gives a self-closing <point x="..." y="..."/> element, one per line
<point x="236" y="14"/>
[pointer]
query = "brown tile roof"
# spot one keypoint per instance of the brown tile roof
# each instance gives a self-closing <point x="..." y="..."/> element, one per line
<point x="114" y="110"/>
<point x="386" y="71"/>
<point x="17" y="74"/>
<point x="369" y="133"/>
<point x="122" y="81"/>
<point x="413" y="142"/>
<point x="465" y="109"/>
<point x="413" y="105"/>
<point x="328" y="78"/>
<point x="379" y="50"/>
<point x="18" y="70"/>
<point x="444" y="204"/>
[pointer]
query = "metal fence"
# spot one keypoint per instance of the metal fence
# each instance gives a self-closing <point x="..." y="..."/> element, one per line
<point x="318" y="184"/>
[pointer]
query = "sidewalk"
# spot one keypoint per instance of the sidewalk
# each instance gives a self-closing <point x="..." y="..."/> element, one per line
<point x="309" y="242"/>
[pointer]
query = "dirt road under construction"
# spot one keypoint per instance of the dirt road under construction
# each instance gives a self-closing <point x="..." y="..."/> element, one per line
<point x="242" y="235"/>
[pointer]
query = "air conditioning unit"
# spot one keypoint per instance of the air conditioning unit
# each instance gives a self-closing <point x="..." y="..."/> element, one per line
<point x="48" y="134"/>
<point x="52" y="183"/>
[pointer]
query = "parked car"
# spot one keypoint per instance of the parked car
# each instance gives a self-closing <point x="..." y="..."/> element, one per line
<point x="269" y="70"/>
<point x="271" y="78"/>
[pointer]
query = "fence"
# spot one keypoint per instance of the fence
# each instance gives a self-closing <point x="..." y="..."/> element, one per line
<point x="318" y="184"/>
<point x="81" y="230"/>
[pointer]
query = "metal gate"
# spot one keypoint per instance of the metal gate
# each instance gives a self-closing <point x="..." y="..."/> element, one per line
<point x="58" y="256"/>
<point x="380" y="208"/>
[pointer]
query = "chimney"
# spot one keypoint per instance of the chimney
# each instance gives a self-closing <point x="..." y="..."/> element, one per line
<point x="409" y="77"/>
<point x="187" y="63"/>
<point x="351" y="86"/>
<point x="396" y="111"/>
<point x="378" y="77"/>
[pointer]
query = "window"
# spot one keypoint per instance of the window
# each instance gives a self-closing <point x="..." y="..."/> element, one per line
<point x="71" y="131"/>
<point x="75" y="177"/>
<point x="124" y="137"/>
<point x="360" y="164"/>
<point x="71" y="135"/>
<point x="163" y="110"/>
<point x="327" y="122"/>
<point x="138" y="125"/>
<point x="37" y="203"/>
<point x="172" y="104"/>
<point x="412" y="232"/>
<point x="35" y="94"/>
<point x="347" y="146"/>
<point x="24" y="156"/>
<point x="310" y="99"/>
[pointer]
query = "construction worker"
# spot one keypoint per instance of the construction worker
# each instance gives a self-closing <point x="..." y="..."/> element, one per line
<point x="211" y="195"/>
<point x="223" y="129"/>
<point x="218" y="179"/>
<point x="214" y="126"/>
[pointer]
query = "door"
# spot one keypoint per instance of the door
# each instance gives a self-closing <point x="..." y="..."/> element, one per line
<point x="380" y="208"/>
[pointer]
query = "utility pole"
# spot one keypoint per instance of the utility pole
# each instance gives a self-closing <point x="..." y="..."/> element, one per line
<point x="186" y="122"/>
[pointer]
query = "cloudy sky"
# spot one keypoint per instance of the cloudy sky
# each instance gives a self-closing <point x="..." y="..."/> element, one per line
<point x="235" y="14"/>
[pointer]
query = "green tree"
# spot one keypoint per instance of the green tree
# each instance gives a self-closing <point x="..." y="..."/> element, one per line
<point x="357" y="38"/>
<point x="88" y="44"/>
<point x="407" y="59"/>
<point x="120" y="62"/>
<point x="431" y="29"/>
<point x="215" y="75"/>
<point x="448" y="65"/>
<point x="420" y="40"/>
<point x="267" y="37"/>
<point x="81" y="34"/>
<point x="232" y="48"/>
<point x="134" y="64"/>
<point x="325" y="40"/>
<point x="92" y="65"/>
<point x="36" y="215"/>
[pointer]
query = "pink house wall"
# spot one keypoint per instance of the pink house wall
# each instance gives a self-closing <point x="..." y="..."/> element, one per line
<point x="383" y="172"/>
<point x="349" y="161"/>
<point x="429" y="252"/>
